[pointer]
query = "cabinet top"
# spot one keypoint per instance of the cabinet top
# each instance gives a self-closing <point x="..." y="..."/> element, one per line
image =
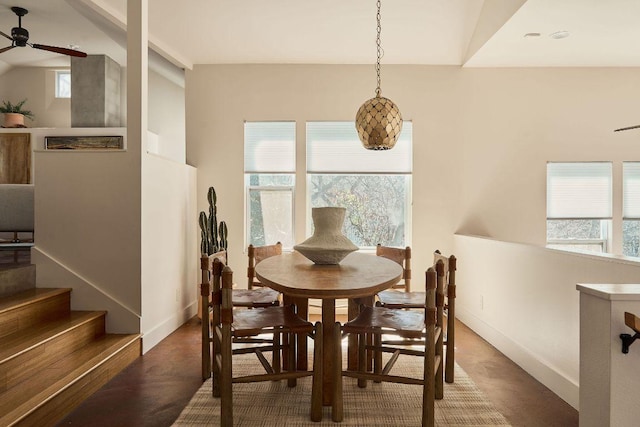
<point x="611" y="291"/>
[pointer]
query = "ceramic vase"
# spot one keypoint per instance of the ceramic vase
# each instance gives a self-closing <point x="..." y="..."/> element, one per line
<point x="327" y="245"/>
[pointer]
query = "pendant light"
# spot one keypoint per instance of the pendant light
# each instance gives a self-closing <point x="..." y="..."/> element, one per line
<point x="378" y="120"/>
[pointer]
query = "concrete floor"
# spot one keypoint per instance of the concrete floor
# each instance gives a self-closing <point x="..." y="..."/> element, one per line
<point x="154" y="389"/>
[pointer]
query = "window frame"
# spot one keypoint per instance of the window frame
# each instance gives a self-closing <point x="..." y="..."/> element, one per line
<point x="59" y="73"/>
<point x="606" y="221"/>
<point x="279" y="169"/>
<point x="275" y="188"/>
<point x="407" y="174"/>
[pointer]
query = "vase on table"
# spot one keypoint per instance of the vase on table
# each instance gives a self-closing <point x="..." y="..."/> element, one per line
<point x="327" y="245"/>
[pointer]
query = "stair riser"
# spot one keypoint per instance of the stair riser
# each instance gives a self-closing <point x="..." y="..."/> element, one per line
<point x="23" y="317"/>
<point x="14" y="280"/>
<point x="59" y="406"/>
<point x="26" y="364"/>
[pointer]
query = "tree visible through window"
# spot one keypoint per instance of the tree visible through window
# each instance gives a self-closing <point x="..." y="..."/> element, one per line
<point x="374" y="186"/>
<point x="376" y="205"/>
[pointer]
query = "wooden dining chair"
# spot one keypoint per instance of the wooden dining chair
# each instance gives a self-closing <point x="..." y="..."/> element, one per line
<point x="403" y="257"/>
<point x="421" y="325"/>
<point x="248" y="298"/>
<point x="229" y="324"/>
<point x="407" y="300"/>
<point x="257" y="254"/>
<point x="252" y="298"/>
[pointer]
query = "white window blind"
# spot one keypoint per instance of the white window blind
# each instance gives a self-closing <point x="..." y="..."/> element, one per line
<point x="334" y="147"/>
<point x="631" y="190"/>
<point x="270" y="147"/>
<point x="579" y="190"/>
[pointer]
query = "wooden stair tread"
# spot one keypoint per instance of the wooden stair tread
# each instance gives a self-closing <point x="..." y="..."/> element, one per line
<point x="14" y="344"/>
<point x="28" y="297"/>
<point x="27" y="396"/>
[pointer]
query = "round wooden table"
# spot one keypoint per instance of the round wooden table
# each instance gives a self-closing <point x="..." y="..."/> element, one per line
<point x="357" y="276"/>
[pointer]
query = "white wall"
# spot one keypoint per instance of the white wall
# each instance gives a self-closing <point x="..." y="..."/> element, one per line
<point x="523" y="300"/>
<point x="170" y="248"/>
<point x="481" y="137"/>
<point x="87" y="222"/>
<point x="166" y="117"/>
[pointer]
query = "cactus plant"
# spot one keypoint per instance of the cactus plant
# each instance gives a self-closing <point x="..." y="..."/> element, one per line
<point x="213" y="236"/>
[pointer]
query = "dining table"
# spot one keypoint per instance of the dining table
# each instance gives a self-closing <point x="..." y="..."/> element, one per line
<point x="358" y="277"/>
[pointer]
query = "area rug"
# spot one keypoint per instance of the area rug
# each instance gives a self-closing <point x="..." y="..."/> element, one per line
<point x="382" y="404"/>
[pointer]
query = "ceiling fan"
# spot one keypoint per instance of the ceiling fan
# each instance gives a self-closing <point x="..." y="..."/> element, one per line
<point x="20" y="36"/>
<point x="627" y="128"/>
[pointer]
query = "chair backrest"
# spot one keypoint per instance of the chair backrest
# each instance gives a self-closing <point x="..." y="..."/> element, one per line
<point x="402" y="257"/>
<point x="223" y="283"/>
<point x="206" y="264"/>
<point x="257" y="254"/>
<point x="431" y="312"/>
<point x="450" y="267"/>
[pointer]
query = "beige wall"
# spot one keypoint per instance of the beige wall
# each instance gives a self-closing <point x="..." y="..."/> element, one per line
<point x="37" y="85"/>
<point x="221" y="98"/>
<point x="481" y="136"/>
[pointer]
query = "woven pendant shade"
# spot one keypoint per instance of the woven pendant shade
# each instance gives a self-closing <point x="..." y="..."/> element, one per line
<point x="378" y="122"/>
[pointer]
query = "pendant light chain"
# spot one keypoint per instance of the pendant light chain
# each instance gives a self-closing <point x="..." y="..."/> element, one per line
<point x="378" y="120"/>
<point x="379" y="47"/>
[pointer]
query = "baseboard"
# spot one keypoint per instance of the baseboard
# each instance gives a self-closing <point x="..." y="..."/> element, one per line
<point x="564" y="387"/>
<point x="160" y="331"/>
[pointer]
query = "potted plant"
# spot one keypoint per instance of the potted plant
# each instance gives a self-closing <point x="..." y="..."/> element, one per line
<point x="14" y="114"/>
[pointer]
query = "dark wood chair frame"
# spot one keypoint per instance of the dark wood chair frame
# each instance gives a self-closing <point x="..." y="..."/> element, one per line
<point x="229" y="324"/>
<point x="409" y="324"/>
<point x="447" y="294"/>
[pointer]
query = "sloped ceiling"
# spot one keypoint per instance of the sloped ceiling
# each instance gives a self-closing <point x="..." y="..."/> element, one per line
<point x="470" y="33"/>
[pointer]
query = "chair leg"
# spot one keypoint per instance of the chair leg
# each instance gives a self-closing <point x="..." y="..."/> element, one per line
<point x="316" y="385"/>
<point x="276" y="362"/>
<point x="291" y="351"/>
<point x="377" y="355"/>
<point x="226" y="385"/>
<point x="216" y="373"/>
<point x="336" y="406"/>
<point x="362" y="358"/>
<point x="430" y="380"/>
<point x="369" y="353"/>
<point x="439" y="378"/>
<point x="451" y="342"/>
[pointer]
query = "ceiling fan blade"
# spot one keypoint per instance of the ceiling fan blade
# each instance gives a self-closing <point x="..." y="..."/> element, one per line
<point x="627" y="128"/>
<point x="61" y="50"/>
<point x="10" y="38"/>
<point x="4" y="49"/>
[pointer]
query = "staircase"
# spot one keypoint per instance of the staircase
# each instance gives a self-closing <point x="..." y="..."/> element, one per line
<point x="51" y="358"/>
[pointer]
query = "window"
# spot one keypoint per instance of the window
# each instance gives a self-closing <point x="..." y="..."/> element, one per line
<point x="579" y="206"/>
<point x="63" y="84"/>
<point x="269" y="165"/>
<point x="631" y="208"/>
<point x="374" y="186"/>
